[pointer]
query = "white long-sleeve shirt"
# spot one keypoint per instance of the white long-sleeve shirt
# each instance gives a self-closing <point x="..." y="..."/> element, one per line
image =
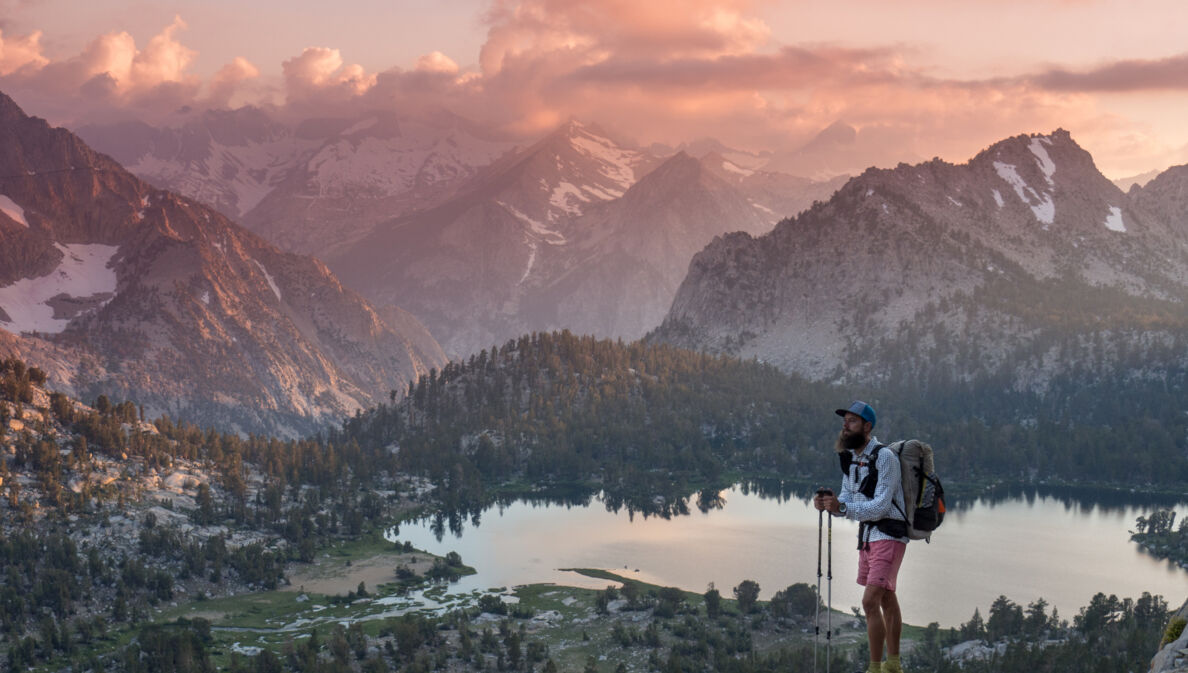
<point x="887" y="491"/>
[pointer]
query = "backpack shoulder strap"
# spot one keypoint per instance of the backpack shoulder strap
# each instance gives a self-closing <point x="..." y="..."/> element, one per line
<point x="870" y="482"/>
<point x="873" y="463"/>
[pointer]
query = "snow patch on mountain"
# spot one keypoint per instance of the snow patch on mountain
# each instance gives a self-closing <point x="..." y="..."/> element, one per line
<point x="762" y="208"/>
<point x="82" y="282"/>
<point x="392" y="166"/>
<point x="255" y="169"/>
<point x="604" y="194"/>
<point x="1041" y="204"/>
<point x="531" y="262"/>
<point x="731" y="168"/>
<point x="1114" y="220"/>
<point x="562" y="199"/>
<point x="385" y="165"/>
<point x="1041" y="155"/>
<point x="537" y="227"/>
<point x="12" y="210"/>
<point x="998" y="198"/>
<point x="615" y="162"/>
<point x="270" y="279"/>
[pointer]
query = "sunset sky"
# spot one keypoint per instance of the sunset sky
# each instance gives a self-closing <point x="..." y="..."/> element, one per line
<point x="917" y="78"/>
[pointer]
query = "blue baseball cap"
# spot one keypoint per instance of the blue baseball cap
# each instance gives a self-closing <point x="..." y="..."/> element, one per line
<point x="861" y="409"/>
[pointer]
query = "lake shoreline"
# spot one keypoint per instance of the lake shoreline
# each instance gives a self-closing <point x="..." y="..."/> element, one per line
<point x="986" y="548"/>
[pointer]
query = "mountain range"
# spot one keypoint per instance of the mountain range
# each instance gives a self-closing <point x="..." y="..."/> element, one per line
<point x="288" y="181"/>
<point x="1021" y="264"/>
<point x="116" y="287"/>
<point x="480" y="239"/>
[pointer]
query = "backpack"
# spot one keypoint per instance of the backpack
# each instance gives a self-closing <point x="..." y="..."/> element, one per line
<point x="923" y="495"/>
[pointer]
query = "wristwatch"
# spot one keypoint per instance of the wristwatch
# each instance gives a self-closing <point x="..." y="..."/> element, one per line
<point x="841" y="508"/>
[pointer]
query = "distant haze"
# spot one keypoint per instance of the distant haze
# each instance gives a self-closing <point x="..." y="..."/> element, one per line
<point x="914" y="79"/>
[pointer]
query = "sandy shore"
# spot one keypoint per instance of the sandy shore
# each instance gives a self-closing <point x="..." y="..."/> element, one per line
<point x="333" y="576"/>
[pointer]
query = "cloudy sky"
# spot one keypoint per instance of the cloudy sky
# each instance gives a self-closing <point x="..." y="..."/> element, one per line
<point x="917" y="78"/>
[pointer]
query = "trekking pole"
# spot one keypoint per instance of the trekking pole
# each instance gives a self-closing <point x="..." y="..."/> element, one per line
<point x="829" y="607"/>
<point x="817" y="617"/>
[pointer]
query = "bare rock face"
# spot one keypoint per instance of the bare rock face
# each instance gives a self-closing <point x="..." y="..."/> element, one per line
<point x="1024" y="260"/>
<point x="1173" y="657"/>
<point x="115" y="287"/>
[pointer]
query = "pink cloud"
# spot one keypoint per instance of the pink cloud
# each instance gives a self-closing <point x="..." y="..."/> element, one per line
<point x="111" y="74"/>
<point x="789" y="68"/>
<point x="319" y="74"/>
<point x="164" y="59"/>
<point x="668" y="70"/>
<point x="667" y="28"/>
<point x="229" y="80"/>
<point x="437" y="62"/>
<point x="114" y="58"/>
<point x="20" y="52"/>
<point x="1166" y="74"/>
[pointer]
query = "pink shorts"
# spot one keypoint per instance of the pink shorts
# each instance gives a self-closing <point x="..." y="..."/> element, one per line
<point x="880" y="565"/>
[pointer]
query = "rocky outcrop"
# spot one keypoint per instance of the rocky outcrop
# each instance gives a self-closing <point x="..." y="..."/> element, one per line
<point x="1173" y="656"/>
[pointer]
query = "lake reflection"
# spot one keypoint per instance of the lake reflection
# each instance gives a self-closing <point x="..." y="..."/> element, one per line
<point x="1024" y="545"/>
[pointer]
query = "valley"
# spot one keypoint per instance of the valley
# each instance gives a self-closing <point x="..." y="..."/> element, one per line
<point x="208" y="436"/>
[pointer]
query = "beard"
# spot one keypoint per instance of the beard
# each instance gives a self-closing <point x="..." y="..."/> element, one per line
<point x="850" y="440"/>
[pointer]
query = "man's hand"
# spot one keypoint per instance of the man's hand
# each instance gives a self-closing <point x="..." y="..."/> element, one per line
<point x="825" y="501"/>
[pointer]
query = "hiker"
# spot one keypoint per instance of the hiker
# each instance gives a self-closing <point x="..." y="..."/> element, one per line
<point x="882" y="532"/>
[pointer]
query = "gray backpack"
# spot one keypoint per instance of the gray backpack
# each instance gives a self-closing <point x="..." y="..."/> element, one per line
<point x="923" y="494"/>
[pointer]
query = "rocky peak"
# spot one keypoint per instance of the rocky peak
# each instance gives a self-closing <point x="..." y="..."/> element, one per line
<point x="9" y="110"/>
<point x="893" y="246"/>
<point x="677" y="174"/>
<point x="723" y="167"/>
<point x="1165" y="197"/>
<point x="836" y="135"/>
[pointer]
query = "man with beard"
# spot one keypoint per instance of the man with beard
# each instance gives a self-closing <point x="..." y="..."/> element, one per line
<point x="871" y="495"/>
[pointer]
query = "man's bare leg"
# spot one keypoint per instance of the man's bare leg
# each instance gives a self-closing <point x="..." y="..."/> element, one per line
<point x="892" y="621"/>
<point x="876" y="628"/>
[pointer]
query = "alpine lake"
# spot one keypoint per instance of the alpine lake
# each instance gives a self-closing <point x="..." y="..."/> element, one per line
<point x="1059" y="544"/>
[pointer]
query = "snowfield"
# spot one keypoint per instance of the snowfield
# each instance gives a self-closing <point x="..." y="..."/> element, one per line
<point x="616" y="163"/>
<point x="1114" y="220"/>
<point x="1041" y="156"/>
<point x="1040" y="204"/>
<point x="389" y="166"/>
<point x="256" y="168"/>
<point x="84" y="274"/>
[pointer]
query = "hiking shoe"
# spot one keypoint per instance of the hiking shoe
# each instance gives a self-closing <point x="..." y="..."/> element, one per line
<point x="892" y="667"/>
